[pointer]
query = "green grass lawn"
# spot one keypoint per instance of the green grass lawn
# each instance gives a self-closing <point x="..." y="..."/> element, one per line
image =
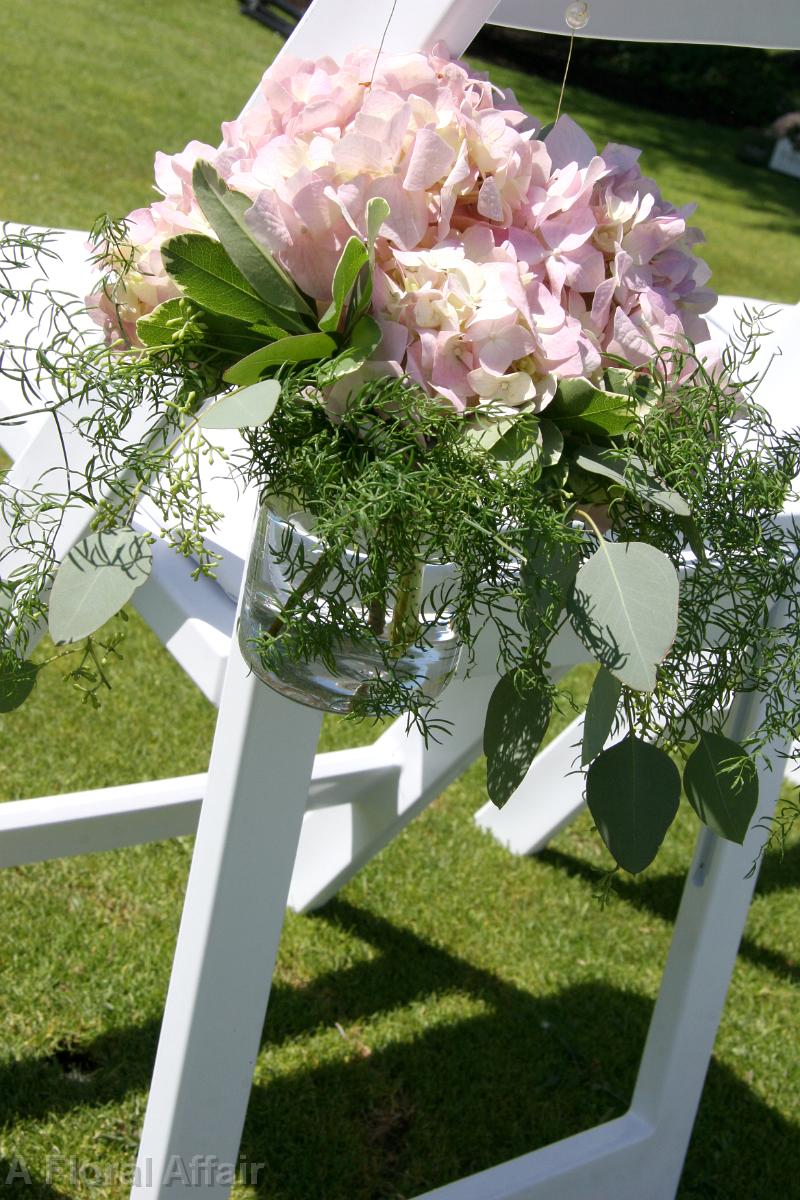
<point x="453" y="1006"/>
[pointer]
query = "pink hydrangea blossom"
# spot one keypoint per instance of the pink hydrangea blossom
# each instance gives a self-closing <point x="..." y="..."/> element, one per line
<point x="507" y="262"/>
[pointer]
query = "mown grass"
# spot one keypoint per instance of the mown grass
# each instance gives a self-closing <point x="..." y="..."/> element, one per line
<point x="453" y="1006"/>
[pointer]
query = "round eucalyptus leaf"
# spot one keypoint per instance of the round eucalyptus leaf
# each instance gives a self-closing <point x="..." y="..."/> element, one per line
<point x="635" y="476"/>
<point x="624" y="608"/>
<point x="601" y="712"/>
<point x="96" y="579"/>
<point x="723" y="798"/>
<point x="633" y="790"/>
<point x="17" y="680"/>
<point x="516" y="722"/>
<point x="247" y="409"/>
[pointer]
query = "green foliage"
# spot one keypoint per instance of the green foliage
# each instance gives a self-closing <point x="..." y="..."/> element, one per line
<point x="179" y="320"/>
<point x="633" y="790"/>
<point x="301" y="347"/>
<point x="225" y="212"/>
<point x="631" y="474"/>
<point x="17" y="680"/>
<point x="204" y="271"/>
<point x="722" y="786"/>
<point x="95" y="580"/>
<point x="516" y="722"/>
<point x="246" y="409"/>
<point x="581" y="407"/>
<point x="354" y="256"/>
<point x="624" y="608"/>
<point x="601" y="714"/>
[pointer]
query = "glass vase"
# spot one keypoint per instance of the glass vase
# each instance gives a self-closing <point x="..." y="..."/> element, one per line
<point x="409" y="639"/>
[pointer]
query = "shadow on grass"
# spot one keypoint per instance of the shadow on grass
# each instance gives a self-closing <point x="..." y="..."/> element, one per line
<point x="14" y="1173"/>
<point x="661" y="895"/>
<point x="506" y="1071"/>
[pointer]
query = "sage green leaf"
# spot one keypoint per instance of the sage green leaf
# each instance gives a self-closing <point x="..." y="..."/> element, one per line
<point x="693" y="537"/>
<point x="202" y="268"/>
<point x="353" y="258"/>
<point x="515" y="725"/>
<point x="624" y="608"/>
<point x="547" y="575"/>
<point x="487" y="436"/>
<point x="304" y="347"/>
<point x="225" y="211"/>
<point x="724" y="799"/>
<point x="215" y="334"/>
<point x="580" y="407"/>
<point x="17" y="681"/>
<point x="601" y="711"/>
<point x="635" y="476"/>
<point x="95" y="580"/>
<point x="246" y="409"/>
<point x="633" y="790"/>
<point x="521" y="444"/>
<point x="378" y="210"/>
<point x="552" y="443"/>
<point x="364" y="341"/>
<point x="157" y="327"/>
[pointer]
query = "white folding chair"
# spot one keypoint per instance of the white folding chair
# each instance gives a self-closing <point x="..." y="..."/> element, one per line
<point x="267" y="813"/>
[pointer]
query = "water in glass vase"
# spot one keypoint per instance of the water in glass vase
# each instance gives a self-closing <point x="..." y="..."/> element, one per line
<point x="414" y="628"/>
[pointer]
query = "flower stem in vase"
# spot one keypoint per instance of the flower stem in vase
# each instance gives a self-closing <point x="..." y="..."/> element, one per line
<point x="310" y="582"/>
<point x="404" y="628"/>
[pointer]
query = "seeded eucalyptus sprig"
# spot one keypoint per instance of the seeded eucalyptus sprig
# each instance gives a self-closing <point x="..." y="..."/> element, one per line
<point x="643" y="514"/>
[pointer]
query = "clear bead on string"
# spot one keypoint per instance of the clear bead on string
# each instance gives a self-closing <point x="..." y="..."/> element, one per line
<point x="577" y="15"/>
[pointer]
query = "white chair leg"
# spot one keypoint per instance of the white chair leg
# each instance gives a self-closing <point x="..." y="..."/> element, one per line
<point x="641" y="1154"/>
<point x="247" y="837"/>
<point x="337" y="841"/>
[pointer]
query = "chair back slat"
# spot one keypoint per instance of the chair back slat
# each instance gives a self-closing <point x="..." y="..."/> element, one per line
<point x="772" y="24"/>
<point x="335" y="27"/>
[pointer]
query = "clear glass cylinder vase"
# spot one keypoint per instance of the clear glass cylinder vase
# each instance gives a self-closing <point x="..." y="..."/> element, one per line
<point x="410" y="639"/>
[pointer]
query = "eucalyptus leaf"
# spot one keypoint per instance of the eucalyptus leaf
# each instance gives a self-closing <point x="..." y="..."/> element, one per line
<point x="225" y="211"/>
<point x="303" y="347"/>
<point x="624" y="608"/>
<point x="724" y="799"/>
<point x="633" y="790"/>
<point x="353" y="258"/>
<point x="580" y="407"/>
<point x="547" y="576"/>
<point x="246" y="409"/>
<point x="17" y="680"/>
<point x="552" y="443"/>
<point x="600" y="715"/>
<point x="635" y="476"/>
<point x="487" y="436"/>
<point x="202" y="268"/>
<point x="95" y="580"/>
<point x="515" y="725"/>
<point x="521" y="444"/>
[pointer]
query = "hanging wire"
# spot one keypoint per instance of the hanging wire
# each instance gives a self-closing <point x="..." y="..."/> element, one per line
<point x="576" y="17"/>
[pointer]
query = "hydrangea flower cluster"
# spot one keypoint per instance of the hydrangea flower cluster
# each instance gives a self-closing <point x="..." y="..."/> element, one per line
<point x="508" y="260"/>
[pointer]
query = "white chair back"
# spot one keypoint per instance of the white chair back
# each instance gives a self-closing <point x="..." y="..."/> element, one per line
<point x="335" y="27"/>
